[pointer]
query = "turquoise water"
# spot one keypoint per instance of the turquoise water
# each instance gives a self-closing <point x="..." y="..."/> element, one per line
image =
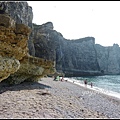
<point x="107" y="82"/>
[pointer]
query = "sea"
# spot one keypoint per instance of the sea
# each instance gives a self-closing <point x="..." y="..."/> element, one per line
<point x="107" y="84"/>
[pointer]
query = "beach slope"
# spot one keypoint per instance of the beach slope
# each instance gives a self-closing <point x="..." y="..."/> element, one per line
<point x="55" y="99"/>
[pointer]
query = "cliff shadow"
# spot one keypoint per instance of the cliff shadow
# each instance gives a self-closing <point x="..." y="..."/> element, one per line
<point x="26" y="85"/>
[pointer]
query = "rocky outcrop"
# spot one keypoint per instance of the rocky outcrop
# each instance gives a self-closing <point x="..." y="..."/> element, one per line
<point x="21" y="13"/>
<point x="32" y="69"/>
<point x="7" y="67"/>
<point x="13" y="45"/>
<point x="16" y="65"/>
<point x="44" y="44"/>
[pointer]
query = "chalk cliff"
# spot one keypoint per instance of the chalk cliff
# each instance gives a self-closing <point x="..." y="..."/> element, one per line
<point x="108" y="58"/>
<point x="80" y="57"/>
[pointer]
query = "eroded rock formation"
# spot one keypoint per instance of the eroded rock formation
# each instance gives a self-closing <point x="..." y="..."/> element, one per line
<point x="11" y="49"/>
<point x="45" y="41"/>
<point x="21" y="13"/>
<point x="32" y="69"/>
<point x="15" y="62"/>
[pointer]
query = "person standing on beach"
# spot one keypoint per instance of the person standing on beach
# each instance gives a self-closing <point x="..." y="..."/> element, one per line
<point x="85" y="82"/>
<point x="54" y="78"/>
<point x="58" y="78"/>
<point x="91" y="84"/>
<point x="62" y="78"/>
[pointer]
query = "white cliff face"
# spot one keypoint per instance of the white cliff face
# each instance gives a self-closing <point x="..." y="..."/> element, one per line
<point x="102" y="57"/>
<point x="114" y="60"/>
<point x="78" y="57"/>
<point x="109" y="59"/>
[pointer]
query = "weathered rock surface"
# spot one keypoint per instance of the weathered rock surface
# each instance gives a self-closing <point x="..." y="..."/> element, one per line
<point x="31" y="69"/>
<point x="43" y="44"/>
<point x="19" y="11"/>
<point x="16" y="65"/>
<point x="13" y="45"/>
<point x="8" y="66"/>
<point x="22" y="14"/>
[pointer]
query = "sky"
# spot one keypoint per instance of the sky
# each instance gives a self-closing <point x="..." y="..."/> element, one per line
<point x="79" y="19"/>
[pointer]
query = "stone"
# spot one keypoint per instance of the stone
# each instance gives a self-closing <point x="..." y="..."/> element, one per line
<point x="7" y="67"/>
<point x="31" y="69"/>
<point x="6" y="21"/>
<point x="16" y="65"/>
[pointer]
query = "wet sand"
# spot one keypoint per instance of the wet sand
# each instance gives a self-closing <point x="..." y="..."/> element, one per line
<point x="55" y="99"/>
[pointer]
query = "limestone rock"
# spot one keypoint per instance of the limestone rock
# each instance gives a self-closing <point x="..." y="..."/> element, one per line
<point x="13" y="44"/>
<point x="22" y="13"/>
<point x="7" y="67"/>
<point x="32" y="69"/>
<point x="16" y="64"/>
<point x="6" y="21"/>
<point x="2" y="8"/>
<point x="22" y="29"/>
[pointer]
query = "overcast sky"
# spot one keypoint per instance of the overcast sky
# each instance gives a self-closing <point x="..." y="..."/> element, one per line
<point x="79" y="19"/>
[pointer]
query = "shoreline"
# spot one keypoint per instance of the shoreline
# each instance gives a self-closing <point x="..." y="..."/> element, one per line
<point x="55" y="99"/>
<point x="96" y="89"/>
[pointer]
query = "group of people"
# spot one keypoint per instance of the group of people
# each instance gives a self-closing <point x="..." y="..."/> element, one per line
<point x="85" y="82"/>
<point x="57" y="78"/>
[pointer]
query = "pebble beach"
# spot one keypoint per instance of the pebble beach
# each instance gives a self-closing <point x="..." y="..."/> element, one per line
<point x="55" y="100"/>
